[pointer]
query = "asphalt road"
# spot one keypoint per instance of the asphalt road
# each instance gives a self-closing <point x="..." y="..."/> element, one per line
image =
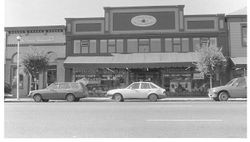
<point x="126" y="120"/>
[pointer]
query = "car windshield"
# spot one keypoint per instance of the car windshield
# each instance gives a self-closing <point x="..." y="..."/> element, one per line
<point x="231" y="82"/>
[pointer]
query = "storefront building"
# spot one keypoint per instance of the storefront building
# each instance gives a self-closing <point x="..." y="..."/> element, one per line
<point x="155" y="43"/>
<point x="49" y="40"/>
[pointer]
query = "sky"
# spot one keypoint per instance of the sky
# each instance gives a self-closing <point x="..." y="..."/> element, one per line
<point x="53" y="12"/>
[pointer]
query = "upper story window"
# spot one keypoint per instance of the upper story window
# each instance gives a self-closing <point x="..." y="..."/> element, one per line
<point x="244" y="35"/>
<point x="84" y="46"/>
<point x="111" y="46"/>
<point x="143" y="45"/>
<point x="204" y="41"/>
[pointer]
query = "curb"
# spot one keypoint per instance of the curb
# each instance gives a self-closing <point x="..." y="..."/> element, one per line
<point x="103" y="99"/>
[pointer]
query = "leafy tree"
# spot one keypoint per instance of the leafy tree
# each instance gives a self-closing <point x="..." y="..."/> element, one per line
<point x="35" y="63"/>
<point x="210" y="61"/>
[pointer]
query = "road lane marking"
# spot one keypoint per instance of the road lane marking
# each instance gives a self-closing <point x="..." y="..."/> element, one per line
<point x="184" y="120"/>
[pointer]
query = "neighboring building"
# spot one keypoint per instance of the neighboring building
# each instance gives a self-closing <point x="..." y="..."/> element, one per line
<point x="47" y="39"/>
<point x="154" y="43"/>
<point x="237" y="37"/>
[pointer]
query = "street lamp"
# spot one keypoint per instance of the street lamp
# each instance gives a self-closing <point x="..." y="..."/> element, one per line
<point x="17" y="71"/>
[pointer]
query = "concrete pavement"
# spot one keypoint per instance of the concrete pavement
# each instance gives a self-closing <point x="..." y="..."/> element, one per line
<point x="178" y="119"/>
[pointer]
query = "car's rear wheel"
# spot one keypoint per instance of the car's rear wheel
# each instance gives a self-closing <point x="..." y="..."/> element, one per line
<point x="152" y="98"/>
<point x="70" y="98"/>
<point x="118" y="97"/>
<point x="37" y="98"/>
<point x="223" y="96"/>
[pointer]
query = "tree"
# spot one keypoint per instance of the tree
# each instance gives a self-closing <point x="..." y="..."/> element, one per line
<point x="35" y="63"/>
<point x="210" y="60"/>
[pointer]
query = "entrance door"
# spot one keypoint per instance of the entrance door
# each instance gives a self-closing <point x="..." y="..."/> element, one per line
<point x="51" y="74"/>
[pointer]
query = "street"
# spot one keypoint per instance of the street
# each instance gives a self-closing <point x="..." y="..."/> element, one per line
<point x="130" y="119"/>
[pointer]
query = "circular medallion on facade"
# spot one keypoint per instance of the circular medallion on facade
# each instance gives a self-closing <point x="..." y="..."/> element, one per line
<point x="143" y="20"/>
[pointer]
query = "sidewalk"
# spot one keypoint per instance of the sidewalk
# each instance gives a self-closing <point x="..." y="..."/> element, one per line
<point x="104" y="99"/>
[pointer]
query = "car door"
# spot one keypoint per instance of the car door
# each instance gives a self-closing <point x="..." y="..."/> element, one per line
<point x="51" y="91"/>
<point x="132" y="91"/>
<point x="62" y="91"/>
<point x="239" y="88"/>
<point x="145" y="90"/>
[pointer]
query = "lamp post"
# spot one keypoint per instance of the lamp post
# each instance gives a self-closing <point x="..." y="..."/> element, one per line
<point x="17" y="71"/>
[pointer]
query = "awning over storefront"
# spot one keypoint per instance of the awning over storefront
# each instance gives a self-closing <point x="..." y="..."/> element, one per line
<point x="134" y="60"/>
<point x="240" y="61"/>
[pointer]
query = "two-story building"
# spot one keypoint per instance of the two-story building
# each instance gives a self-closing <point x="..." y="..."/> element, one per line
<point x="49" y="40"/>
<point x="153" y="43"/>
<point x="237" y="37"/>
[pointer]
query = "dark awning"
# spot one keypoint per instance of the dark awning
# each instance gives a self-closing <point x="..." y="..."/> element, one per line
<point x="134" y="60"/>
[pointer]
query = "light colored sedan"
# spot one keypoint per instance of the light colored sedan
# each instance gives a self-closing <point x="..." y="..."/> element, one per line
<point x="236" y="88"/>
<point x="138" y="90"/>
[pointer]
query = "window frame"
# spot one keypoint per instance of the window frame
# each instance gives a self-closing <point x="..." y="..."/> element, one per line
<point x="243" y="44"/>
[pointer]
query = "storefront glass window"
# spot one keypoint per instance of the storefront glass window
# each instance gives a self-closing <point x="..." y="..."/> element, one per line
<point x="155" y="44"/>
<point x="76" y="46"/>
<point x="103" y="46"/>
<point x="168" y="45"/>
<point x="92" y="46"/>
<point x="132" y="46"/>
<point x="185" y="45"/>
<point x="119" y="45"/>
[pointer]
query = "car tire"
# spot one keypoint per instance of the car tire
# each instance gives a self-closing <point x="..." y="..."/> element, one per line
<point x="153" y="98"/>
<point x="77" y="99"/>
<point x="45" y="100"/>
<point x="216" y="99"/>
<point x="37" y="98"/>
<point x="118" y="97"/>
<point x="70" y="98"/>
<point x="223" y="96"/>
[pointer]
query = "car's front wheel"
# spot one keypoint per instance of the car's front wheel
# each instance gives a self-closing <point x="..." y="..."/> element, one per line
<point x="37" y="98"/>
<point x="118" y="97"/>
<point x="70" y="98"/>
<point x="223" y="96"/>
<point x="152" y="98"/>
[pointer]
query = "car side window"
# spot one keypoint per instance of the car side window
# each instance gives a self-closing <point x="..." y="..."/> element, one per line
<point x="75" y="85"/>
<point x="145" y="86"/>
<point x="134" y="86"/>
<point x="152" y="86"/>
<point x="242" y="82"/>
<point x="53" y="86"/>
<point x="64" y="86"/>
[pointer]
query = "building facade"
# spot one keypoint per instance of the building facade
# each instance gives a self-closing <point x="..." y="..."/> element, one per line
<point x="155" y="43"/>
<point x="237" y="37"/>
<point x="49" y="40"/>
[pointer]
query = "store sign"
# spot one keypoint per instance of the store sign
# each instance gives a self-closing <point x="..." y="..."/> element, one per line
<point x="143" y="20"/>
<point x="198" y="76"/>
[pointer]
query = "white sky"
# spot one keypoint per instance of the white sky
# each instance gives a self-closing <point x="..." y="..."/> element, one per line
<point x="53" y="12"/>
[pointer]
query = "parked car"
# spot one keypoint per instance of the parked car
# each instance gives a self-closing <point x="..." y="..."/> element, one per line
<point x="138" y="90"/>
<point x="236" y="88"/>
<point x="70" y="91"/>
